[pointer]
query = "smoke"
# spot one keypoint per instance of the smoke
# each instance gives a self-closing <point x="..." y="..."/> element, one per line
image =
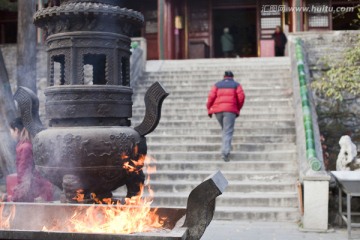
<point x="7" y="113"/>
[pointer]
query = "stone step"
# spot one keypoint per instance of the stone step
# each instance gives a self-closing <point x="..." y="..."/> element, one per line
<point x="200" y="105"/>
<point x="199" y="176"/>
<point x="252" y="92"/>
<point x="271" y="117"/>
<point x="232" y="199"/>
<point x="206" y="78"/>
<point x="276" y="165"/>
<point x="209" y="139"/>
<point x="227" y="199"/>
<point x="263" y="214"/>
<point x="212" y="123"/>
<point x="250" y="107"/>
<point x="206" y="84"/>
<point x="202" y="98"/>
<point x="263" y="167"/>
<point x="260" y="79"/>
<point x="171" y="110"/>
<point x="172" y="85"/>
<point x="284" y="155"/>
<point x="246" y="78"/>
<point x="201" y="102"/>
<point x="237" y="71"/>
<point x="234" y="186"/>
<point x="204" y="147"/>
<point x="190" y="131"/>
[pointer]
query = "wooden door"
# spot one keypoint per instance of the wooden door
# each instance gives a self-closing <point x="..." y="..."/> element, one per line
<point x="199" y="28"/>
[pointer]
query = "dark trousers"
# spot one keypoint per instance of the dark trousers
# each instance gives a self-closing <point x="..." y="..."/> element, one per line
<point x="227" y="122"/>
<point x="279" y="51"/>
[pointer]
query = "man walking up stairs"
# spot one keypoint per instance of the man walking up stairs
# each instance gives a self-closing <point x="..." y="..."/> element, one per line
<point x="226" y="98"/>
<point x="263" y="169"/>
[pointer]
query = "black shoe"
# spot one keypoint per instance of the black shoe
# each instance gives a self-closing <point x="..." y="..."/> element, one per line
<point x="226" y="158"/>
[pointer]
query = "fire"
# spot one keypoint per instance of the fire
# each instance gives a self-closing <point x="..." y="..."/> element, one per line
<point x="79" y="196"/>
<point x="6" y="215"/>
<point x="136" y="165"/>
<point x="134" y="215"/>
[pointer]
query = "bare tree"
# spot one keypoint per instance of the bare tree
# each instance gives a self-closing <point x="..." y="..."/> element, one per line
<point x="26" y="45"/>
<point x="7" y="106"/>
<point x="26" y="76"/>
<point x="7" y="113"/>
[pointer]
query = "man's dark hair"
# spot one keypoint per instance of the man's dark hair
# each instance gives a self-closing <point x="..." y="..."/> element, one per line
<point x="228" y="74"/>
<point x="17" y="123"/>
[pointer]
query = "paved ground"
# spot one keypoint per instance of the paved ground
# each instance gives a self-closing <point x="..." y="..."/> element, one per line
<point x="225" y="230"/>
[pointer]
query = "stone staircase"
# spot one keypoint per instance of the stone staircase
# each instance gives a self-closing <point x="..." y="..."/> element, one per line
<point x="263" y="169"/>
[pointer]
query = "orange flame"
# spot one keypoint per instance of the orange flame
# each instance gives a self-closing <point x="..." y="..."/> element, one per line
<point x="79" y="196"/>
<point x="135" y="165"/>
<point x="6" y="215"/>
<point x="135" y="216"/>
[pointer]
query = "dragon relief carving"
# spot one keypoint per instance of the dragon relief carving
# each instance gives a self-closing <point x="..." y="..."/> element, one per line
<point x="103" y="109"/>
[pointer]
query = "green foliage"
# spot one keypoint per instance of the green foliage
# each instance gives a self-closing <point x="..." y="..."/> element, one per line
<point x="356" y="22"/>
<point x="343" y="77"/>
<point x="8" y="6"/>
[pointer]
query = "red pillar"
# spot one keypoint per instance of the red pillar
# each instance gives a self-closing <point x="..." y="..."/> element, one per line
<point x="168" y="36"/>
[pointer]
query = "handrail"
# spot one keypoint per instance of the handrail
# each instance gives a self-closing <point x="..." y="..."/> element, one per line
<point x="314" y="162"/>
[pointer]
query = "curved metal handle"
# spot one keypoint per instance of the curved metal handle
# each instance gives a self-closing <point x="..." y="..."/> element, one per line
<point x="28" y="104"/>
<point x="154" y="98"/>
<point x="201" y="204"/>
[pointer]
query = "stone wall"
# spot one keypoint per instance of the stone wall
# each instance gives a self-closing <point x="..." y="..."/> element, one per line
<point x="335" y="119"/>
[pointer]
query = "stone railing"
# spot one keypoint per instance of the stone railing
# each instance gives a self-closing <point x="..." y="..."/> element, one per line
<point x="311" y="154"/>
<point x="315" y="181"/>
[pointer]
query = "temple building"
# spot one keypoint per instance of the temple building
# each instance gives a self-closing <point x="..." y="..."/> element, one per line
<point x="184" y="29"/>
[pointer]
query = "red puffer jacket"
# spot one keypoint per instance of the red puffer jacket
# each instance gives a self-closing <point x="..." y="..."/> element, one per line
<point x="226" y="96"/>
